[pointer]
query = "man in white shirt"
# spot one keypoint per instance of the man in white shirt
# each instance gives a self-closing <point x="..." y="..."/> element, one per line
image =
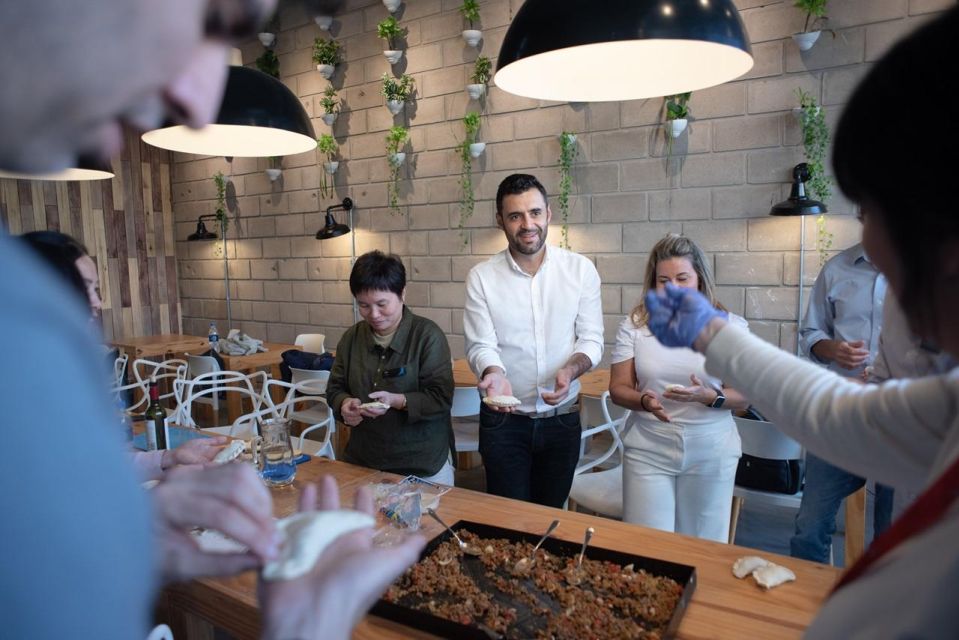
<point x="533" y="325"/>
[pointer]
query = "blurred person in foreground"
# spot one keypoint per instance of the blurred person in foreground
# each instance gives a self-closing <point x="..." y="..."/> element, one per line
<point x="905" y="433"/>
<point x="82" y="539"/>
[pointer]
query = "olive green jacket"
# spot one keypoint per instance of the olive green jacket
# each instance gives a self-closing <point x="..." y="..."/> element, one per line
<point x="418" y="439"/>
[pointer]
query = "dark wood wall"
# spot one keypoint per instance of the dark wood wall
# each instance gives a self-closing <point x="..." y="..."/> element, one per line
<point x="127" y="225"/>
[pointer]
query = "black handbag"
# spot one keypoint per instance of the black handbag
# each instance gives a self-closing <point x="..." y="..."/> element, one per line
<point x="778" y="476"/>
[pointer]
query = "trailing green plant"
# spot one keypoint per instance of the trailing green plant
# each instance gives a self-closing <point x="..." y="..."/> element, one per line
<point x="326" y="144"/>
<point x="471" y="124"/>
<point x="471" y="12"/>
<point x="220" y="182"/>
<point x="815" y="12"/>
<point x="567" y="155"/>
<point x="398" y="88"/>
<point x="330" y="100"/>
<point x="482" y="70"/>
<point x="677" y="106"/>
<point x="815" y="140"/>
<point x="389" y="30"/>
<point x="395" y="140"/>
<point x="326" y="51"/>
<point x="268" y="63"/>
<point x="274" y="162"/>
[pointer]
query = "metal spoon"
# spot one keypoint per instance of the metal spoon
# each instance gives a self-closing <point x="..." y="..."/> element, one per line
<point x="526" y="563"/>
<point x="465" y="548"/>
<point x="589" y="534"/>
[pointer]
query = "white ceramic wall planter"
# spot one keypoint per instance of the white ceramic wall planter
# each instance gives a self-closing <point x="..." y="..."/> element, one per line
<point x="324" y="22"/>
<point x="392" y="5"/>
<point x="477" y="149"/>
<point x="397" y="159"/>
<point x="475" y="91"/>
<point x="267" y="38"/>
<point x="677" y="126"/>
<point x="331" y="167"/>
<point x="805" y="41"/>
<point x="326" y="70"/>
<point x="393" y="56"/>
<point x="472" y="36"/>
<point x="274" y="174"/>
<point x="395" y="106"/>
<point x="329" y="118"/>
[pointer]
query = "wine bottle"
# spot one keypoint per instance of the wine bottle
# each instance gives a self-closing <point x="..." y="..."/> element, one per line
<point x="156" y="418"/>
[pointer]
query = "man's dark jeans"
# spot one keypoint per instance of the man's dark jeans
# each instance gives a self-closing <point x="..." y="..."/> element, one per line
<point x="529" y="459"/>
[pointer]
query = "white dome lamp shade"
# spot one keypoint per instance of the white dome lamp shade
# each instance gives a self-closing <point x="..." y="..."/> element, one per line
<point x="582" y="51"/>
<point x="87" y="169"/>
<point x="259" y="117"/>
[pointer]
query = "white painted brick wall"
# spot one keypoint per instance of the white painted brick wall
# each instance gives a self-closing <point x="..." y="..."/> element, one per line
<point x="733" y="163"/>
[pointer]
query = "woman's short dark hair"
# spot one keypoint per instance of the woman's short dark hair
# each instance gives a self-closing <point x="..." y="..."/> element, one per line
<point x="900" y="163"/>
<point x="61" y="252"/>
<point x="378" y="271"/>
<point x="516" y="184"/>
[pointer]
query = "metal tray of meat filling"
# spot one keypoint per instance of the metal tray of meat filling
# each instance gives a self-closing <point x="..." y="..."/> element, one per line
<point x="534" y="607"/>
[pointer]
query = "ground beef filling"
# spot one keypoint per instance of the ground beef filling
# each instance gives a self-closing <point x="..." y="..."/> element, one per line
<point x="550" y="599"/>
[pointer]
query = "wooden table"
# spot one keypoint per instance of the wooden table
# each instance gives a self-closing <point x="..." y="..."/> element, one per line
<point x="161" y="345"/>
<point x="247" y="364"/>
<point x="593" y="383"/>
<point x="721" y="607"/>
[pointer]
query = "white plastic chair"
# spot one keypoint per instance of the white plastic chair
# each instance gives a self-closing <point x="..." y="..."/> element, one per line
<point x="312" y="342"/>
<point x="199" y="365"/>
<point x="120" y="370"/>
<point x="602" y="490"/>
<point x="191" y="390"/>
<point x="595" y="412"/>
<point x="321" y="376"/>
<point x="465" y="414"/>
<point x="317" y="414"/>
<point x="763" y="440"/>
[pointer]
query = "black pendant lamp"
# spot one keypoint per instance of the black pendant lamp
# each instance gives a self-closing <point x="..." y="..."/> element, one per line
<point x="202" y="233"/>
<point x="798" y="203"/>
<point x="87" y="169"/>
<point x="332" y="228"/>
<point x="259" y="117"/>
<point x="588" y="51"/>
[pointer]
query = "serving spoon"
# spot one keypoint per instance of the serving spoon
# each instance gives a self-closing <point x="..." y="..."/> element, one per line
<point x="526" y="563"/>
<point x="465" y="548"/>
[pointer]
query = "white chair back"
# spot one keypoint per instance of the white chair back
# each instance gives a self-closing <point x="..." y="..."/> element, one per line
<point x="312" y="342"/>
<point x="465" y="414"/>
<point x="320" y="377"/>
<point x="611" y="428"/>
<point x="191" y="390"/>
<point x="316" y="414"/>
<point x="764" y="440"/>
<point x="198" y="365"/>
<point x="602" y="490"/>
<point x="120" y="370"/>
<point x="466" y="402"/>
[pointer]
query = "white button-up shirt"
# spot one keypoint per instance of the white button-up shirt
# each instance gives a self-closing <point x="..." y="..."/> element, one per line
<point x="530" y="325"/>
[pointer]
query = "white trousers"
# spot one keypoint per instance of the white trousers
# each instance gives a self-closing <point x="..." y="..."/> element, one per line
<point x="677" y="479"/>
<point x="444" y="475"/>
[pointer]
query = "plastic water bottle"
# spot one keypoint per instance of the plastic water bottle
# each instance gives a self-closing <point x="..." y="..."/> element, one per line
<point x="214" y="338"/>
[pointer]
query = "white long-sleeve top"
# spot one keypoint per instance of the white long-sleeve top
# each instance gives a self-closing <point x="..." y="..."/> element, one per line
<point x="529" y="325"/>
<point x="903" y="433"/>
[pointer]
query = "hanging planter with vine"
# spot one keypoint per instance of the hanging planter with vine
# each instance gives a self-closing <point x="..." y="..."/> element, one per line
<point x="274" y="168"/>
<point x="330" y="103"/>
<point x="567" y="155"/>
<point x="326" y="145"/>
<point x="468" y="149"/>
<point x="395" y="140"/>
<point x="389" y="30"/>
<point x="815" y="136"/>
<point x="471" y="12"/>
<point x="397" y="91"/>
<point x="482" y="72"/>
<point x="326" y="55"/>
<point x="219" y="180"/>
<point x="815" y="16"/>
<point x="268" y="63"/>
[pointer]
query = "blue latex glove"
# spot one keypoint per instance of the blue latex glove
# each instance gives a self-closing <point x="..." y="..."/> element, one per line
<point x="677" y="316"/>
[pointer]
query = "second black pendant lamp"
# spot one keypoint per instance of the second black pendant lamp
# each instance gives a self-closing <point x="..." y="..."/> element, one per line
<point x="588" y="51"/>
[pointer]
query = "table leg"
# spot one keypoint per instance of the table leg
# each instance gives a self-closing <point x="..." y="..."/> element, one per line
<point x="855" y="526"/>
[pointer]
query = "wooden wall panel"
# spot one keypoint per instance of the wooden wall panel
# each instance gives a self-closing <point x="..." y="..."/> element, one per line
<point x="127" y="226"/>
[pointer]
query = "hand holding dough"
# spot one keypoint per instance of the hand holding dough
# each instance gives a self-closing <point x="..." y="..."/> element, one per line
<point x="374" y="405"/>
<point x="502" y="401"/>
<point x="230" y="452"/>
<point x="305" y="536"/>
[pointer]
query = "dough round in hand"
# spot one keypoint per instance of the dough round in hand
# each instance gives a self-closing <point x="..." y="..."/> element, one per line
<point x="502" y="401"/>
<point x="305" y="536"/>
<point x="376" y="404"/>
<point x="675" y="387"/>
<point x="230" y="452"/>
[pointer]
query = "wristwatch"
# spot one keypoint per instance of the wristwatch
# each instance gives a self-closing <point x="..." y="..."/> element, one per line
<point x="719" y="401"/>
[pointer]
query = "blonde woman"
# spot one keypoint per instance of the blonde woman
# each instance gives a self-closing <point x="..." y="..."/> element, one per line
<point x="682" y="446"/>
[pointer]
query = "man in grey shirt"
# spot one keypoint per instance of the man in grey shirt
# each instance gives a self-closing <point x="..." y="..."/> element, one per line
<point x="841" y="330"/>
